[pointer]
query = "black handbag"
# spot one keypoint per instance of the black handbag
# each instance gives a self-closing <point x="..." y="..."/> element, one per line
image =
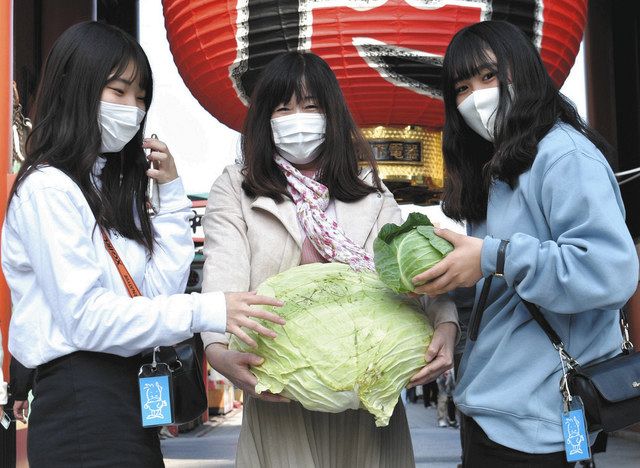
<point x="610" y="389"/>
<point x="607" y="390"/>
<point x="188" y="394"/>
<point x="187" y="385"/>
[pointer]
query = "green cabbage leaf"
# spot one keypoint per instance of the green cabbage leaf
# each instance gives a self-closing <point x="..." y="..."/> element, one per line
<point x="402" y="252"/>
<point x="349" y="341"/>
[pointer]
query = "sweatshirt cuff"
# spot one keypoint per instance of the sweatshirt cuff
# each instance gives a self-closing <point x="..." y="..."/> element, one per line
<point x="489" y="256"/>
<point x="173" y="196"/>
<point x="441" y="309"/>
<point x="210" y="338"/>
<point x="209" y="313"/>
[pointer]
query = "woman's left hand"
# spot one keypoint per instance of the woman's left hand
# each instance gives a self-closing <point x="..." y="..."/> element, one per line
<point x="439" y="354"/>
<point x="163" y="168"/>
<point x="460" y="268"/>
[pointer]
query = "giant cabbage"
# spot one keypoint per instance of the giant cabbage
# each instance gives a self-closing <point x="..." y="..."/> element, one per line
<point x="402" y="252"/>
<point x="349" y="341"/>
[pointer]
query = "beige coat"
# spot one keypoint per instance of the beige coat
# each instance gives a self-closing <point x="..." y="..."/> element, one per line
<point x="247" y="241"/>
<point x="251" y="239"/>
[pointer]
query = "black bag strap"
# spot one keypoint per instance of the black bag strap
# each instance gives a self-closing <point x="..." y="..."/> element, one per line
<point x="557" y="343"/>
<point x="478" y="310"/>
<point x="534" y="310"/>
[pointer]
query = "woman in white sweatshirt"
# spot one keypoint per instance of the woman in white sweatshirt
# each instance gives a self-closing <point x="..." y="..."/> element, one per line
<point x="73" y="319"/>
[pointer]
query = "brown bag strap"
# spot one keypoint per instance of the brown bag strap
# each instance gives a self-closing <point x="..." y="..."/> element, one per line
<point x="128" y="281"/>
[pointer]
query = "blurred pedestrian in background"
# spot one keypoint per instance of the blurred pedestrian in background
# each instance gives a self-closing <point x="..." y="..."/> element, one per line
<point x="446" y="409"/>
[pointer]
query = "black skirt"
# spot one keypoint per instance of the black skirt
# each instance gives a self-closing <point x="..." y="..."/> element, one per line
<point x="86" y="413"/>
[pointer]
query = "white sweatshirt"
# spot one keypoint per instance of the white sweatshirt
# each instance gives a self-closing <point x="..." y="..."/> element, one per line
<point x="66" y="292"/>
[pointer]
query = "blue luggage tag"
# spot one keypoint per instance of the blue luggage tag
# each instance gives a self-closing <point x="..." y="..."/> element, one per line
<point x="156" y="402"/>
<point x="576" y="438"/>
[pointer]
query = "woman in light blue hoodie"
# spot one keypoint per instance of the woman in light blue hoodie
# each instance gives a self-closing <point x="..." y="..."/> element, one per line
<point x="531" y="180"/>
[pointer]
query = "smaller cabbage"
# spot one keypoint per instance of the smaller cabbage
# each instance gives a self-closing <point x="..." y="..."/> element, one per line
<point x="402" y="252"/>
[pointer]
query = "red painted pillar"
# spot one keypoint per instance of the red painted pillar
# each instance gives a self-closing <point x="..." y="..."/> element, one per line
<point x="6" y="53"/>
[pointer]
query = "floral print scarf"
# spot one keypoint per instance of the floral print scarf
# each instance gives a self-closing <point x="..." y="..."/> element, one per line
<point x="312" y="199"/>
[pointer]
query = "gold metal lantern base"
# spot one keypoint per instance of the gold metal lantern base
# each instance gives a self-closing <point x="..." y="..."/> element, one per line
<point x="409" y="161"/>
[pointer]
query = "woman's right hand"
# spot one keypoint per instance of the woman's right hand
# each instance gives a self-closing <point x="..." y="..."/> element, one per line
<point x="234" y="365"/>
<point x="239" y="313"/>
<point x="439" y="355"/>
<point x="21" y="410"/>
<point x="163" y="167"/>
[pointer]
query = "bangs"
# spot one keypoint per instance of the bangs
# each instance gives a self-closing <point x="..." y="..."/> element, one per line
<point x="297" y="86"/>
<point x="141" y="68"/>
<point x="284" y="88"/>
<point x="466" y="56"/>
<point x="279" y="84"/>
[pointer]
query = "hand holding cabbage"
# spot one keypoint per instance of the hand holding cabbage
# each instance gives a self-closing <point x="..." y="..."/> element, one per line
<point x="461" y="268"/>
<point x="416" y="257"/>
<point x="349" y="341"/>
<point x="402" y="252"/>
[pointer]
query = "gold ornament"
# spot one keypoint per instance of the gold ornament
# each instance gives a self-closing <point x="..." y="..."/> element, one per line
<point x="408" y="153"/>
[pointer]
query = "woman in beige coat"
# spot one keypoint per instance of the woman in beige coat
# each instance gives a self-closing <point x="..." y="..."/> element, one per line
<point x="261" y="221"/>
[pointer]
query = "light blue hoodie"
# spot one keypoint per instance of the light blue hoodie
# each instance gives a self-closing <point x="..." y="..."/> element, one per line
<point x="570" y="253"/>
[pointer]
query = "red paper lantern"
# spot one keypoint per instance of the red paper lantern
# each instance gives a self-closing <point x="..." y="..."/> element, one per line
<point x="387" y="54"/>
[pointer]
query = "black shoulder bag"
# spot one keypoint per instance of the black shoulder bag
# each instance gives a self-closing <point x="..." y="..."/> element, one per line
<point x="610" y="389"/>
<point x="189" y="396"/>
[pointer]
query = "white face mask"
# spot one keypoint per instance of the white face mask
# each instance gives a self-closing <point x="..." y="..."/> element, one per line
<point x="119" y="124"/>
<point x="298" y="136"/>
<point x="479" y="111"/>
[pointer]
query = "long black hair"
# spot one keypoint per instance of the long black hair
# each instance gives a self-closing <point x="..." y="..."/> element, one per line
<point x="304" y="73"/>
<point x="66" y="133"/>
<point x="522" y="120"/>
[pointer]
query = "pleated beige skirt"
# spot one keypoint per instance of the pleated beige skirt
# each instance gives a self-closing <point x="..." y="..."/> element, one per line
<point x="276" y="435"/>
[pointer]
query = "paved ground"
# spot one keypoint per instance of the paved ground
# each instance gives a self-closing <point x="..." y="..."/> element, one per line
<point x="214" y="444"/>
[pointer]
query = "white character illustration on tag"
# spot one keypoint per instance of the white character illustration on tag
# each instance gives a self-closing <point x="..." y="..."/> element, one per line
<point x="575" y="438"/>
<point x="154" y="402"/>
